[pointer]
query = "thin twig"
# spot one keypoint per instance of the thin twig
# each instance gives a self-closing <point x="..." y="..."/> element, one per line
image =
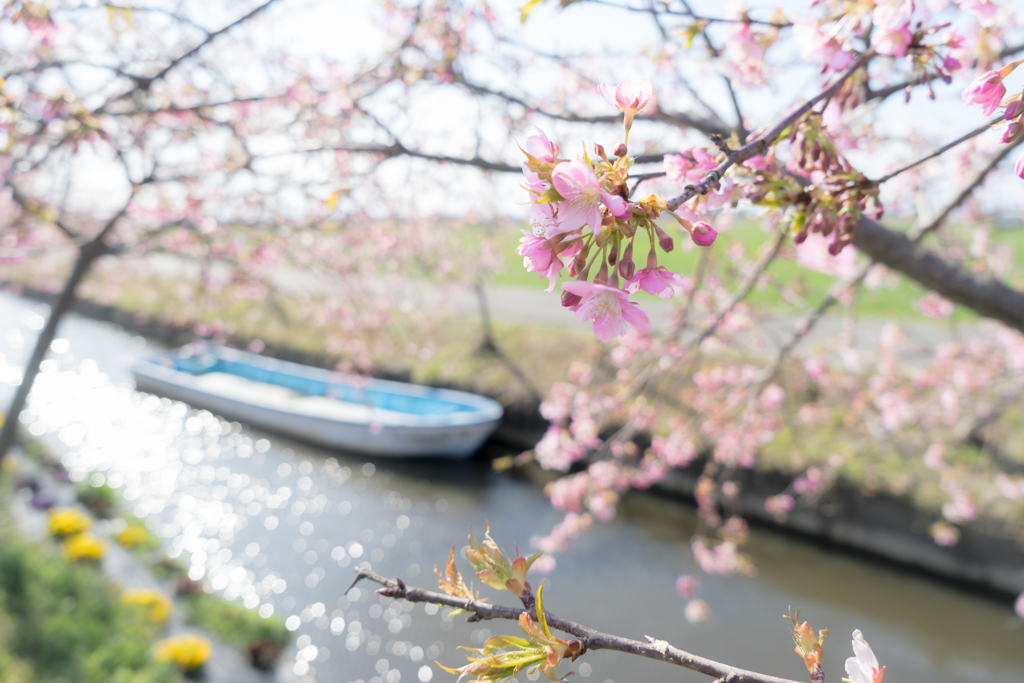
<point x="972" y="183"/>
<point x="591" y="639"/>
<point x="941" y="150"/>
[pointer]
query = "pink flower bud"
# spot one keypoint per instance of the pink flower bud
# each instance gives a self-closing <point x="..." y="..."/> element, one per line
<point x="621" y="150"/>
<point x="569" y="299"/>
<point x="1013" y="131"/>
<point x="987" y="90"/>
<point x="664" y="241"/>
<point x="1014" y="109"/>
<point x="626" y="266"/>
<point x="1019" y="168"/>
<point x="703" y="235"/>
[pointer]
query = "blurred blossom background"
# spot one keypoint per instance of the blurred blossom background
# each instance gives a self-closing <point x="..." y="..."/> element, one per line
<point x="340" y="184"/>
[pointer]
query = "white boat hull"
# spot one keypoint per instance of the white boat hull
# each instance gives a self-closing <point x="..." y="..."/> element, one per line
<point x="378" y="437"/>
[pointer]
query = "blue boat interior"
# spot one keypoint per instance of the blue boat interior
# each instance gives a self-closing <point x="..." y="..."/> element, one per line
<point x="348" y="393"/>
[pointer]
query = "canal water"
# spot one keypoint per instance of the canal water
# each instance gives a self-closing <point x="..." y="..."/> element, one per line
<point x="279" y="526"/>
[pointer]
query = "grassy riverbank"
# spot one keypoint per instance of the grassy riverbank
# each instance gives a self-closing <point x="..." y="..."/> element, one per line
<point x="787" y="282"/>
<point x="449" y="352"/>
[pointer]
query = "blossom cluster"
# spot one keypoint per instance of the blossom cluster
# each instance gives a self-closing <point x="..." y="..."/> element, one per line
<point x="585" y="222"/>
<point x="898" y="28"/>
<point x="988" y="91"/>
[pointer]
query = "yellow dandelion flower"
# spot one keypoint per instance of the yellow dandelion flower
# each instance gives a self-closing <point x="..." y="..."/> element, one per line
<point x="159" y="605"/>
<point x="186" y="652"/>
<point x="84" y="547"/>
<point x="66" y="522"/>
<point x="132" y="535"/>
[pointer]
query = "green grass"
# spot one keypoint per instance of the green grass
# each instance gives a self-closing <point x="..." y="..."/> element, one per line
<point x="896" y="300"/>
<point x="64" y="622"/>
<point x="260" y="639"/>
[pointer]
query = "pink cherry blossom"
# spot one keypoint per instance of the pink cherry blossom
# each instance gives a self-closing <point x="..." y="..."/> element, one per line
<point x="813" y="253"/>
<point x="543" y="219"/>
<point x="820" y="46"/>
<point x="892" y="20"/>
<point x="629" y="96"/>
<point x="863" y="667"/>
<point x="686" y="586"/>
<point x="987" y="90"/>
<point x="934" y="306"/>
<point x="660" y="282"/>
<point x="539" y="146"/>
<point x="540" y="258"/>
<point x="892" y="41"/>
<point x="1019" y="168"/>
<point x="690" y="166"/>
<point x="578" y="184"/>
<point x="746" y="53"/>
<point x="609" y="308"/>
<point x="985" y="11"/>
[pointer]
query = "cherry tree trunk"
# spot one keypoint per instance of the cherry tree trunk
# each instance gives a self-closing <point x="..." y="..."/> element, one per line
<point x="87" y="255"/>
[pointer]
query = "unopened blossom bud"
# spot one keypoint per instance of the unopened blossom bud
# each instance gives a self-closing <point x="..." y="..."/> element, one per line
<point x="1013" y="131"/>
<point x="1019" y="168"/>
<point x="988" y="89"/>
<point x="664" y="241"/>
<point x="621" y="150"/>
<point x="1014" y="109"/>
<point x="599" y="151"/>
<point x="569" y="299"/>
<point x="703" y="234"/>
<point x="613" y="254"/>
<point x="577" y="265"/>
<point x="626" y="265"/>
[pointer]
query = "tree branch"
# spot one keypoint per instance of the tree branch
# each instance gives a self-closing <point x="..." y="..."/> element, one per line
<point x="888" y="90"/>
<point x="397" y="149"/>
<point x="977" y="179"/>
<point x="704" y="125"/>
<point x="592" y="639"/>
<point x="942" y="150"/>
<point x="986" y="296"/>
<point x="765" y="140"/>
<point x="144" y="82"/>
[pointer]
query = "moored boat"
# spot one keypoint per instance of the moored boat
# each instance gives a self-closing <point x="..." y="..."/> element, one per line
<point x="372" y="416"/>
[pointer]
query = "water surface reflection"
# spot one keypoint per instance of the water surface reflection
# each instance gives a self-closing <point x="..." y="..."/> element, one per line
<point x="279" y="526"/>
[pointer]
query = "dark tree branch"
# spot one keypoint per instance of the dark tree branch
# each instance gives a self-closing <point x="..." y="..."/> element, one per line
<point x="592" y="639"/>
<point x="986" y="296"/>
<point x="27" y="204"/>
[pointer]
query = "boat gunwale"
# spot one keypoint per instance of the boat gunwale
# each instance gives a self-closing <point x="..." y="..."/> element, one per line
<point x="482" y="409"/>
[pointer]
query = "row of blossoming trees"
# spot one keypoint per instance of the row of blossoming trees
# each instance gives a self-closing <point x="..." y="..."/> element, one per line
<point x="184" y="129"/>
